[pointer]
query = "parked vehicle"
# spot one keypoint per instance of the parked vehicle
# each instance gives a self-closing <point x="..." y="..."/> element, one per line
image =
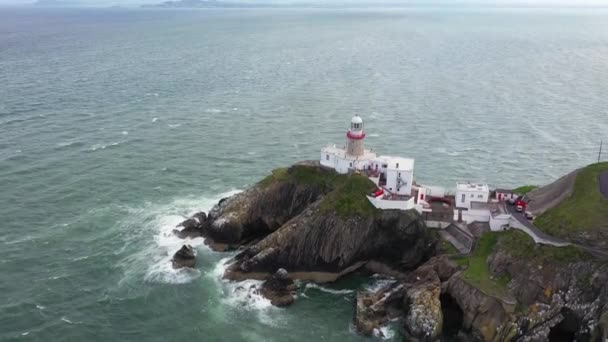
<point x="520" y="204"/>
<point x="529" y="215"/>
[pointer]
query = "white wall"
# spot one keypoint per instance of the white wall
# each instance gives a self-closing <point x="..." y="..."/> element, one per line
<point x="331" y="162"/>
<point x="470" y="196"/>
<point x="476" y="215"/>
<point x="387" y="204"/>
<point x="505" y="196"/>
<point x="497" y="222"/>
<point x="406" y="177"/>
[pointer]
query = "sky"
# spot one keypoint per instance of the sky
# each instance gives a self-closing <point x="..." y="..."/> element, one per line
<point x="488" y="2"/>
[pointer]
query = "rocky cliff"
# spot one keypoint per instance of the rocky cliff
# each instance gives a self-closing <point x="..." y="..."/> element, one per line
<point x="306" y="222"/>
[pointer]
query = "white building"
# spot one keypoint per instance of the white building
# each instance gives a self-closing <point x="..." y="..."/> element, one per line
<point x="396" y="174"/>
<point x="393" y="175"/>
<point x="473" y="205"/>
<point x="466" y="193"/>
<point x="354" y="157"/>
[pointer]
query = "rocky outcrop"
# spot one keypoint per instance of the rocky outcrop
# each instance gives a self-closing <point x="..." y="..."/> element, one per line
<point x="192" y="227"/>
<point x="261" y="209"/>
<point x="424" y="318"/>
<point x="415" y="298"/>
<point x="483" y="315"/>
<point x="184" y="257"/>
<point x="279" y="288"/>
<point x="324" y="241"/>
<point x="564" y="298"/>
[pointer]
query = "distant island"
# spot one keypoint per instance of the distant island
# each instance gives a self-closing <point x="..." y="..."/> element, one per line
<point x="205" y="4"/>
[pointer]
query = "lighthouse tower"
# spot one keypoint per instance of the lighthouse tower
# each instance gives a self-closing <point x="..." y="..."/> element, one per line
<point x="355" y="136"/>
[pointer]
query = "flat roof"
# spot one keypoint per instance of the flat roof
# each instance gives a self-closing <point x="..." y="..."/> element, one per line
<point x="472" y="187"/>
<point x="406" y="164"/>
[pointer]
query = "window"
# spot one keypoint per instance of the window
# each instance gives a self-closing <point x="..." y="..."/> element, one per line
<point x="472" y="195"/>
<point x="327" y="157"/>
<point x="397" y="165"/>
<point x="463" y="198"/>
<point x="351" y="164"/>
<point x="480" y="196"/>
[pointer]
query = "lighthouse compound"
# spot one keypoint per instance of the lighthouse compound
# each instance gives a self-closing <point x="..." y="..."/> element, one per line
<point x="396" y="189"/>
<point x="394" y="176"/>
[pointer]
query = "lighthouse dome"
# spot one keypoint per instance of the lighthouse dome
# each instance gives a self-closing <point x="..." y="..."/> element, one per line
<point x="356" y="120"/>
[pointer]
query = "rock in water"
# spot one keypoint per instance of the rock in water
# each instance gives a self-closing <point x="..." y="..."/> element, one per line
<point x="279" y="289"/>
<point x="192" y="227"/>
<point x="185" y="257"/>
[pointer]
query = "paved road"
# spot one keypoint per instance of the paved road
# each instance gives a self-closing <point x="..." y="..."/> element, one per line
<point x="541" y="237"/>
<point x="537" y="234"/>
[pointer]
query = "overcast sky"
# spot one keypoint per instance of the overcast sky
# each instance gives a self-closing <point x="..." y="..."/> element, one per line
<point x="488" y="2"/>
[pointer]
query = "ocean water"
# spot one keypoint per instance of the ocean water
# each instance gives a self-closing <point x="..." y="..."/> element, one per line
<point x="115" y="124"/>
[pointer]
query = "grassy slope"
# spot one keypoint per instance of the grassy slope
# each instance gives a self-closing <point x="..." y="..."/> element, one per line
<point x="522" y="190"/>
<point x="519" y="245"/>
<point x="585" y="210"/>
<point x="478" y="272"/>
<point x="350" y="198"/>
<point x="347" y="196"/>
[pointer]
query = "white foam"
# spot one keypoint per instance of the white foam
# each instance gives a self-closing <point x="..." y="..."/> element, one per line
<point x="125" y="132"/>
<point x="377" y="283"/>
<point x="40" y="307"/>
<point x="385" y="333"/>
<point x="174" y="125"/>
<point x="154" y="119"/>
<point x="155" y="258"/>
<point x="245" y="295"/>
<point x="213" y="110"/>
<point x="65" y="319"/>
<point x="326" y="290"/>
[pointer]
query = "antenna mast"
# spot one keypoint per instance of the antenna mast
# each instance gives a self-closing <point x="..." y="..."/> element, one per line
<point x="599" y="155"/>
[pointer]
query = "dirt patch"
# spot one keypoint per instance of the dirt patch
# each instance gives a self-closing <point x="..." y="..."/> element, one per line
<point x="551" y="195"/>
<point x="604" y="184"/>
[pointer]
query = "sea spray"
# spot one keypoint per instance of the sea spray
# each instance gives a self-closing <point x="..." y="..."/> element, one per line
<point x="155" y="256"/>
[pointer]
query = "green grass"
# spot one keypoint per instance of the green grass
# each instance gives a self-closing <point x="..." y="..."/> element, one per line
<point x="305" y="174"/>
<point x="520" y="245"/>
<point x="522" y="190"/>
<point x="478" y="272"/>
<point x="349" y="198"/>
<point x="346" y="194"/>
<point x="585" y="211"/>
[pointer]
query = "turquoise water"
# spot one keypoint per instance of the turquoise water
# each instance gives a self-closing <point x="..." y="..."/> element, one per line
<point x="116" y="124"/>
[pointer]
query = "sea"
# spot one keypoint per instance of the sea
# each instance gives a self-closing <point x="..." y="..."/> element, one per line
<point x="118" y="123"/>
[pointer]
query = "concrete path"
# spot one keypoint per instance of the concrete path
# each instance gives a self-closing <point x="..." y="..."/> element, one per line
<point x="451" y="239"/>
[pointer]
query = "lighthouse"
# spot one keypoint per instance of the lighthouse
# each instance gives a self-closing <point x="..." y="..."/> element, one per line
<point x="353" y="157"/>
<point x="355" y="136"/>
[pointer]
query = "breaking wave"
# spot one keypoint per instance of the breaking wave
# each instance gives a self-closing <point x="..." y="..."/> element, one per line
<point x="155" y="258"/>
<point x="244" y="295"/>
<point x="326" y="290"/>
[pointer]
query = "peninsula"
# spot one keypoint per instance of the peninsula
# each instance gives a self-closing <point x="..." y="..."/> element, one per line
<point x="479" y="264"/>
